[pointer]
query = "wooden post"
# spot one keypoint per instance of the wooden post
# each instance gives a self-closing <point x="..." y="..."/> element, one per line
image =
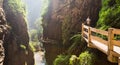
<point x="88" y="20"/>
<point x="89" y="39"/>
<point x="118" y="61"/>
<point x="111" y="58"/>
<point x="82" y="29"/>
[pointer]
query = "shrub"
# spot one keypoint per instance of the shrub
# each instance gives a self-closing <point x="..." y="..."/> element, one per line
<point x="62" y="60"/>
<point x="74" y="60"/>
<point x="86" y="58"/>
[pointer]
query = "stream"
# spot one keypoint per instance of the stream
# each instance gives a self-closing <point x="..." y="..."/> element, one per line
<point x="39" y="58"/>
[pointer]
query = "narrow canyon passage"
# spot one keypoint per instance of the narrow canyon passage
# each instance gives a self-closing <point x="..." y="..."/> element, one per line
<point x="49" y="32"/>
<point x="35" y="10"/>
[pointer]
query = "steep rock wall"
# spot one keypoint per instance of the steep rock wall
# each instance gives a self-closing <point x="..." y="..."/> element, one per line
<point x="52" y="30"/>
<point x="3" y="31"/>
<point x="63" y="19"/>
<point x="17" y="50"/>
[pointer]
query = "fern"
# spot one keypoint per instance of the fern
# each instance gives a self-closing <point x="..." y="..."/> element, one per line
<point x="76" y="41"/>
<point x="62" y="60"/>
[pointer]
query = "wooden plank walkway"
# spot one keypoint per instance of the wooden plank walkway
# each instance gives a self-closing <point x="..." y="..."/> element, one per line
<point x="109" y="45"/>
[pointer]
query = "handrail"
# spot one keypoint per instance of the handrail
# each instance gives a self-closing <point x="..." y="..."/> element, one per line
<point x="116" y="31"/>
<point x="99" y="31"/>
<point x="110" y="43"/>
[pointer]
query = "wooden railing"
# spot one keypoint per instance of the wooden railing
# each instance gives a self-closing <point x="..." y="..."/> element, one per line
<point x="111" y="46"/>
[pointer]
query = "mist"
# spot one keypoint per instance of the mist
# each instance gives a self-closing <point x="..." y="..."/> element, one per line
<point x="35" y="10"/>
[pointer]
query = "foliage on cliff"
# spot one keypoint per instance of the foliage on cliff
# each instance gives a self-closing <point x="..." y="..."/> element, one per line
<point x="85" y="58"/>
<point x="76" y="43"/>
<point x="36" y="30"/>
<point x="17" y="41"/>
<point x="66" y="26"/>
<point x="17" y="6"/>
<point x="109" y="15"/>
<point x="62" y="60"/>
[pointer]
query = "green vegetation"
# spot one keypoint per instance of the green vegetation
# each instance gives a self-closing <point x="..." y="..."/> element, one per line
<point x="37" y="31"/>
<point x="34" y="35"/>
<point x="76" y="42"/>
<point x="23" y="46"/>
<point x="34" y="42"/>
<point x="34" y="45"/>
<point x="38" y="26"/>
<point x="62" y="60"/>
<point x="74" y="60"/>
<point x="109" y="15"/>
<point x="66" y="30"/>
<point x="44" y="7"/>
<point x="17" y="6"/>
<point x="86" y="58"/>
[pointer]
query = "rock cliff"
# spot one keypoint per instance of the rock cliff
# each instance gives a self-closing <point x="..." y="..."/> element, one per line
<point x="63" y="19"/>
<point x="16" y="43"/>
<point x="3" y="31"/>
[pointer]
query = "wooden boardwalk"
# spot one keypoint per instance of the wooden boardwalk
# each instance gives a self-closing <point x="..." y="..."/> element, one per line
<point x="104" y="41"/>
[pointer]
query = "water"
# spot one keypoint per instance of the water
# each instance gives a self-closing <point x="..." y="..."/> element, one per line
<point x="39" y="58"/>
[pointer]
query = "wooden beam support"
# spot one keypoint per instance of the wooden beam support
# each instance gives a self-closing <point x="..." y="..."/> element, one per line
<point x="82" y="29"/>
<point x="111" y="58"/>
<point x="99" y="31"/>
<point x="118" y="61"/>
<point x="89" y="38"/>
